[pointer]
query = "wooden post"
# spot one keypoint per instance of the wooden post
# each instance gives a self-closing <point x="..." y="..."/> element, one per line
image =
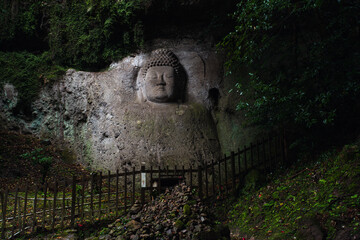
<point x="109" y="192"/>
<point x="245" y="160"/>
<point x="258" y="152"/>
<point x="83" y="198"/>
<point x="233" y="173"/>
<point x="270" y="153"/>
<point x="44" y="206"/>
<point x="63" y="206"/>
<point x="92" y="196"/>
<point x="219" y="169"/>
<point x="206" y="181"/>
<point x="200" y="189"/>
<point x="25" y="207"/>
<point x="285" y="149"/>
<point x="239" y="161"/>
<point x="125" y="189"/>
<point x="4" y="199"/>
<point x="213" y="177"/>
<point x="100" y="194"/>
<point x="191" y="177"/>
<point x="54" y="206"/>
<point x="73" y="202"/>
<point x="226" y="174"/>
<point x="276" y="157"/>
<point x="264" y="155"/>
<point x="282" y="144"/>
<point x="133" y="186"/>
<point x="251" y="155"/>
<point x="151" y="176"/>
<point x="142" y="188"/>
<point x="183" y="173"/>
<point x="15" y="208"/>
<point x="159" y="177"/>
<point x="117" y="193"/>
<point x="19" y="214"/>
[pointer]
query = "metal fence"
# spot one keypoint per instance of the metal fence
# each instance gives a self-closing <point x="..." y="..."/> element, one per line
<point x="51" y="206"/>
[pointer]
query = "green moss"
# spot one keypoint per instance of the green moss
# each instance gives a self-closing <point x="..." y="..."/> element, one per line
<point x="179" y="224"/>
<point x="326" y="191"/>
<point x="187" y="210"/>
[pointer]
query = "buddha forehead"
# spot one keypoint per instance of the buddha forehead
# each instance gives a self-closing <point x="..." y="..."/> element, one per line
<point x="160" y="70"/>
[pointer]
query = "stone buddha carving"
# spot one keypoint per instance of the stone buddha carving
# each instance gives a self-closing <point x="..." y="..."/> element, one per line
<point x="162" y="77"/>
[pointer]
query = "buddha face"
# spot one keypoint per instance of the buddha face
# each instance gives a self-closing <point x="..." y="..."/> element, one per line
<point x="159" y="84"/>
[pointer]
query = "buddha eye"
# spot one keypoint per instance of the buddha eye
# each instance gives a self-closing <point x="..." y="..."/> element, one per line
<point x="169" y="76"/>
<point x="153" y="76"/>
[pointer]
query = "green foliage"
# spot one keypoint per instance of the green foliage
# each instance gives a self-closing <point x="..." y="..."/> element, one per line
<point x="326" y="191"/>
<point x="82" y="34"/>
<point x="19" y="19"/>
<point x="302" y="58"/>
<point x="27" y="72"/>
<point x="39" y="157"/>
<point x="46" y="37"/>
<point x="89" y="34"/>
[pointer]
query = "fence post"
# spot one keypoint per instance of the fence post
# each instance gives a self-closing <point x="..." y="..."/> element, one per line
<point x="125" y="189"/>
<point x="251" y="155"/>
<point x="44" y="206"/>
<point x="245" y="160"/>
<point x="92" y="196"/>
<point x="213" y="177"/>
<point x="83" y="198"/>
<point x="158" y="184"/>
<point x="109" y="192"/>
<point x="117" y="193"/>
<point x="226" y="175"/>
<point x="206" y="181"/>
<point x="73" y="201"/>
<point x="15" y="206"/>
<point x="258" y="152"/>
<point x="239" y="161"/>
<point x="143" y="181"/>
<point x="285" y="149"/>
<point x="233" y="173"/>
<point x="133" y="186"/>
<point x="270" y="153"/>
<point x="100" y="193"/>
<point x="265" y="162"/>
<point x="200" y="190"/>
<point x="191" y="178"/>
<point x="63" y="206"/>
<point x="4" y="198"/>
<point x="219" y="177"/>
<point x="54" y="207"/>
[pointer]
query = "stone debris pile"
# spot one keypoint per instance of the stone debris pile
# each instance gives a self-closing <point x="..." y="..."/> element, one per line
<point x="176" y="214"/>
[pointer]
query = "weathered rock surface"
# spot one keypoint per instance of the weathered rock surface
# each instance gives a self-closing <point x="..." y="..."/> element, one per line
<point x="103" y="118"/>
<point x="176" y="214"/>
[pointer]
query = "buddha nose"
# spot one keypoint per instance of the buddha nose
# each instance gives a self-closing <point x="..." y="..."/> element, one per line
<point x="161" y="80"/>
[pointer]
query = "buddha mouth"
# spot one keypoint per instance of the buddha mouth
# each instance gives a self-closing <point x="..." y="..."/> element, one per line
<point x="160" y="88"/>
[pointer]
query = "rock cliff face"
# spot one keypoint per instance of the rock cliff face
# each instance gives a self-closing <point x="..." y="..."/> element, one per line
<point x="104" y="119"/>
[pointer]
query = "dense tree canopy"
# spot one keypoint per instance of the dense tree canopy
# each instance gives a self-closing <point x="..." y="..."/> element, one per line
<point x="84" y="34"/>
<point x="303" y="61"/>
<point x="40" y="39"/>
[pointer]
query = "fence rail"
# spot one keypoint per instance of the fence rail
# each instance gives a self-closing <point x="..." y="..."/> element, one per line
<point x="91" y="198"/>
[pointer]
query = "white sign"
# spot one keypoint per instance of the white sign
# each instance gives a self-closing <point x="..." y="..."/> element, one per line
<point x="143" y="179"/>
